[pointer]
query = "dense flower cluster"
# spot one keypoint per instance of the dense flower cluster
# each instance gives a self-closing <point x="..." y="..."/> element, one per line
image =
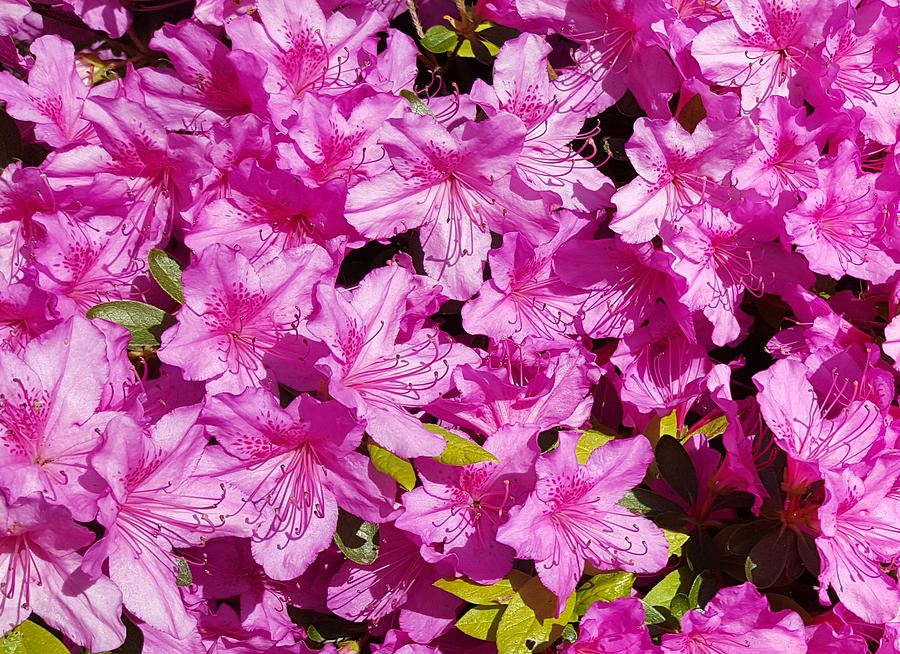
<point x="572" y="326"/>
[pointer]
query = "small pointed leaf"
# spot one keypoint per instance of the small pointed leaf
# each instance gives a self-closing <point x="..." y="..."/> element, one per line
<point x="440" y="38"/>
<point x="391" y="464"/>
<point x="145" y="322"/>
<point x="167" y="273"/>
<point x="459" y="451"/>
<point x="481" y="622"/>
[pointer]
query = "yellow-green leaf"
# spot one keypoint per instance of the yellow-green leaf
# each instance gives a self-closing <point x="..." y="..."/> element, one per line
<point x="440" y="38"/>
<point x="459" y="451"/>
<point x="528" y="622"/>
<point x="29" y="638"/>
<point x="712" y="428"/>
<point x="663" y="592"/>
<point x="676" y="541"/>
<point x="145" y="322"/>
<point x="604" y="587"/>
<point x="499" y="593"/>
<point x="590" y="441"/>
<point x="391" y="464"/>
<point x="416" y="104"/>
<point x="481" y="622"/>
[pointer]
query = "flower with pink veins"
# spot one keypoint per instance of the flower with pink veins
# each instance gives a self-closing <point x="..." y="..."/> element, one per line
<point x="294" y="467"/>
<point x="305" y="48"/>
<point x="382" y="361"/>
<point x="573" y="516"/>
<point x="840" y="224"/>
<point x="158" y="499"/>
<point x="455" y="187"/>
<point x="525" y="296"/>
<point x="535" y="384"/>
<point x="158" y="166"/>
<point x="522" y="86"/>
<point x="54" y="96"/>
<point x="399" y="580"/>
<point x="737" y="619"/>
<point x="457" y="510"/>
<point x="859" y="538"/>
<point x="828" y="433"/>
<point x="267" y="212"/>
<point x="240" y="323"/>
<point x="761" y="46"/>
<point x="41" y="573"/>
<point x="53" y="408"/>
<point x="677" y="170"/>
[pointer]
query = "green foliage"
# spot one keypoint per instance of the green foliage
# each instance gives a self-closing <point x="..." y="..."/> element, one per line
<point x="416" y="104"/>
<point x="590" y="441"/>
<point x="440" y="38"/>
<point x="356" y="538"/>
<point x="391" y="464"/>
<point x="167" y="273"/>
<point x="184" y="577"/>
<point x="30" y="638"/>
<point x="145" y="322"/>
<point x="459" y="451"/>
<point x="604" y="587"/>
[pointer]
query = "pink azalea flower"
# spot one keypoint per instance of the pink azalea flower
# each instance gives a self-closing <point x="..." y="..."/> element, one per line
<point x="522" y="385"/>
<point x="624" y="283"/>
<point x="398" y="581"/>
<point x="522" y="87"/>
<point x="267" y="212"/>
<point x="457" y="510"/>
<point x="54" y="96"/>
<point x="524" y="296"/>
<point x="305" y="48"/>
<point x="25" y="312"/>
<point x="677" y="171"/>
<point x="53" y="408"/>
<point x="859" y="537"/>
<point x="294" y="467"/>
<point x="613" y="627"/>
<point x="573" y="516"/>
<point x="240" y="323"/>
<point x="382" y="361"/>
<point x="41" y="573"/>
<point x="210" y="81"/>
<point x="455" y="186"/>
<point x="760" y="47"/>
<point x="840" y="224"/>
<point x="737" y="619"/>
<point x="820" y="432"/>
<point x="157" y="500"/>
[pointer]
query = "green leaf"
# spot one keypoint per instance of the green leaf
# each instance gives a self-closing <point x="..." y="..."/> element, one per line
<point x="30" y="638"/>
<point x="713" y="428"/>
<point x="184" y="578"/>
<point x="669" y="586"/>
<point x="676" y="541"/>
<point x="668" y="426"/>
<point x="680" y="605"/>
<point x="145" y="322"/>
<point x="416" y="104"/>
<point x="440" y="38"/>
<point x="167" y="273"/>
<point x="459" y="451"/>
<point x="676" y="468"/>
<point x="356" y="538"/>
<point x="590" y="441"/>
<point x="528" y="620"/>
<point x="481" y="622"/>
<point x="652" y="615"/>
<point x="605" y="587"/>
<point x="500" y="593"/>
<point x="478" y="49"/>
<point x="569" y="634"/>
<point x="391" y="464"/>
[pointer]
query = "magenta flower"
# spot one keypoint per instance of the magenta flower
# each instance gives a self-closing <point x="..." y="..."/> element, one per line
<point x="53" y="407"/>
<point x="573" y="516"/>
<point x="760" y="47"/>
<point x="456" y="187"/>
<point x="677" y="171"/>
<point x="737" y="619"/>
<point x="829" y="433"/>
<point x="293" y="468"/>
<point x="613" y="627"/>
<point x="382" y="361"/>
<point x="399" y="580"/>
<point x="41" y="573"/>
<point x="457" y="510"/>
<point x="54" y="96"/>
<point x="157" y="500"/>
<point x="239" y="325"/>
